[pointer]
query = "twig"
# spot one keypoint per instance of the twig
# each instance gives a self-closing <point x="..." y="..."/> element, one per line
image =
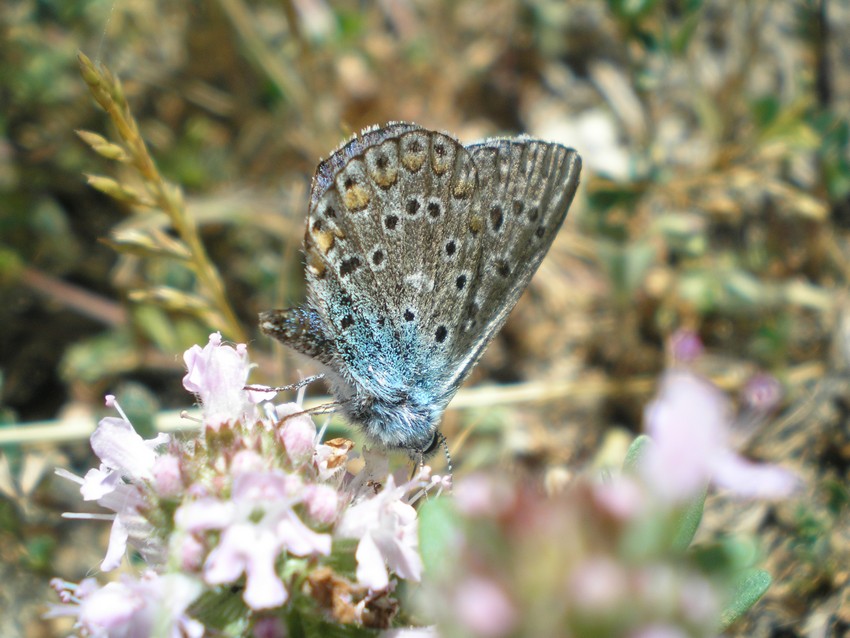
<point x="78" y="299"/>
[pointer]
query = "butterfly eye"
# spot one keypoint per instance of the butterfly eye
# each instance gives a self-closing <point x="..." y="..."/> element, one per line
<point x="432" y="444"/>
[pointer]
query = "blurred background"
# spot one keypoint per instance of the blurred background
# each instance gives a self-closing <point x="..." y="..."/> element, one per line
<point x="714" y="200"/>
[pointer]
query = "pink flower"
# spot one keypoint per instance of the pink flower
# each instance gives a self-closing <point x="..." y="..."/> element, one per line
<point x="130" y="608"/>
<point x="688" y="423"/>
<point x="127" y="463"/>
<point x="484" y="609"/>
<point x="245" y="461"/>
<point x="166" y="475"/>
<point x="122" y="451"/>
<point x="190" y="552"/>
<point x="253" y="550"/>
<point x="217" y="374"/>
<point x="204" y="514"/>
<point x="387" y="529"/>
<point x="298" y="433"/>
<point x="257" y="525"/>
<point x="322" y="503"/>
<point x="298" y="539"/>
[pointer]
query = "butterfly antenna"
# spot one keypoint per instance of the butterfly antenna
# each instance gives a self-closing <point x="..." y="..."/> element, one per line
<point x="445" y="444"/>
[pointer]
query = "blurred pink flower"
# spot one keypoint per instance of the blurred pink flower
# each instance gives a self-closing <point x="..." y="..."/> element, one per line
<point x="762" y="392"/>
<point x="689" y="426"/>
<point x="410" y="632"/>
<point x="685" y="346"/>
<point x="660" y="631"/>
<point x="190" y="552"/>
<point x="204" y="514"/>
<point x="599" y="585"/>
<point x="270" y="627"/>
<point x="387" y="529"/>
<point x="322" y="502"/>
<point x="483" y="608"/>
<point x="151" y="606"/>
<point x="217" y="374"/>
<point x="480" y="495"/>
<point x="621" y="497"/>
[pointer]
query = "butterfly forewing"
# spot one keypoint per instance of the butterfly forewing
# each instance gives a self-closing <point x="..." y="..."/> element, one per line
<point x="389" y="251"/>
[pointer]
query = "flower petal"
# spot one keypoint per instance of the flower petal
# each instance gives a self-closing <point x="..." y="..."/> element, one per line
<point x="117" y="545"/>
<point x="263" y="587"/>
<point x="299" y="539"/>
<point x="371" y="571"/>
<point x="120" y="447"/>
<point x="756" y="480"/>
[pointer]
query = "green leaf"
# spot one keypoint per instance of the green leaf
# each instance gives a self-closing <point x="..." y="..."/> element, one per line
<point x="40" y="550"/>
<point x="635" y="453"/>
<point x="637" y="260"/>
<point x="765" y="110"/>
<point x="631" y="9"/>
<point x="11" y="266"/>
<point x="105" y="355"/>
<point x="688" y="522"/>
<point x="749" y="587"/>
<point x="438" y="533"/>
<point x="219" y="608"/>
<point x="311" y="626"/>
<point x="726" y="555"/>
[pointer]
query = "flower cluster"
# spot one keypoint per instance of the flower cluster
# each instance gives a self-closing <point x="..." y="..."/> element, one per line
<point x="257" y="527"/>
<point x="256" y="503"/>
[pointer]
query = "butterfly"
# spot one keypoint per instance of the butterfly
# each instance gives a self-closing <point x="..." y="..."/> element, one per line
<point x="417" y="248"/>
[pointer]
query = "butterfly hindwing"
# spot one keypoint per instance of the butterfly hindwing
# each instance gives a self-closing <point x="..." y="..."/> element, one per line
<point x="525" y="187"/>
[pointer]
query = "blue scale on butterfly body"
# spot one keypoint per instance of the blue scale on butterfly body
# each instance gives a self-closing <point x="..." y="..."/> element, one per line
<point x="417" y="249"/>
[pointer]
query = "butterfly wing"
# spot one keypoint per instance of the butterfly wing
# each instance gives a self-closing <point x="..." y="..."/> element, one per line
<point x="525" y="188"/>
<point x="417" y="249"/>
<point x="387" y="235"/>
